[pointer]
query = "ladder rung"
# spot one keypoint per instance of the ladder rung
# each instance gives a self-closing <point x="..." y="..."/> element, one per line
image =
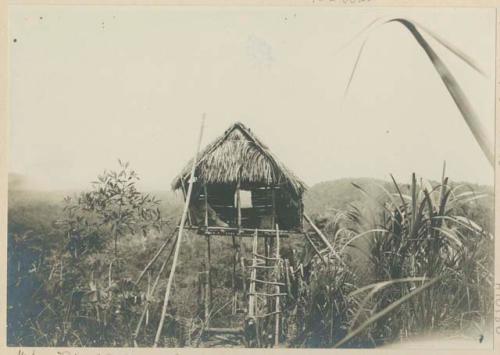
<point x="255" y="260"/>
<point x="266" y="257"/>
<point x="268" y="282"/>
<point x="261" y="267"/>
<point x="267" y="294"/>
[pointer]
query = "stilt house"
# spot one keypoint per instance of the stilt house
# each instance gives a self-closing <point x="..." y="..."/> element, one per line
<point x="241" y="186"/>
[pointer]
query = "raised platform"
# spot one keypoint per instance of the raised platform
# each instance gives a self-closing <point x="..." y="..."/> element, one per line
<point x="241" y="232"/>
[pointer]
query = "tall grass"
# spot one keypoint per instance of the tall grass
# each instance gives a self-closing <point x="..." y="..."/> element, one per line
<point x="427" y="268"/>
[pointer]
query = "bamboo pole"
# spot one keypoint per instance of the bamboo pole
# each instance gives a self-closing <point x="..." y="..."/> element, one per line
<point x="238" y="204"/>
<point x="148" y="299"/>
<point x="251" y="298"/>
<point x="273" y="199"/>
<point x="243" y="273"/>
<point x="314" y="247"/>
<point x="277" y="324"/>
<point x="208" y="283"/>
<point x="321" y="235"/>
<point x="190" y="221"/>
<point x="148" y="294"/>
<point x="235" y="261"/>
<point x="155" y="257"/>
<point x="198" y="291"/>
<point x="266" y="250"/>
<point x="179" y="238"/>
<point x="268" y="243"/>
<point x="205" y="193"/>
<point x="287" y="277"/>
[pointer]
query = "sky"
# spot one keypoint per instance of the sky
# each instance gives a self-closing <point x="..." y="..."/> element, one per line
<point x="89" y="85"/>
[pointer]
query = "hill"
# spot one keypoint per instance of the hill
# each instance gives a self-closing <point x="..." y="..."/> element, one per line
<point x="338" y="194"/>
<point x="324" y="197"/>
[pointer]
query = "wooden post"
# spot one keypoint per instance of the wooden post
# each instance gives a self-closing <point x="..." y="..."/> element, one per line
<point x="251" y="298"/>
<point x="243" y="272"/>
<point x="269" y="255"/>
<point x="273" y="203"/>
<point x="266" y="249"/>
<point x="148" y="295"/>
<point x="179" y="238"/>
<point x="269" y="242"/>
<point x="208" y="284"/>
<point x="199" y="293"/>
<point x="277" y="324"/>
<point x="235" y="261"/>
<point x="287" y="275"/>
<point x="238" y="204"/>
<point x="205" y="193"/>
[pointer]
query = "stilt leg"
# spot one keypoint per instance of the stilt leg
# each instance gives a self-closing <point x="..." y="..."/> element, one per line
<point x="277" y="324"/>
<point x="235" y="261"/>
<point x="208" y="284"/>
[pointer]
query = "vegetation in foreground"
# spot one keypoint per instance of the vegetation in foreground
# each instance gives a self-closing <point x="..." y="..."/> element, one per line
<point x="410" y="260"/>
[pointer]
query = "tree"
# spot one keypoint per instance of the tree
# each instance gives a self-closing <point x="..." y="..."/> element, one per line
<point x="113" y="207"/>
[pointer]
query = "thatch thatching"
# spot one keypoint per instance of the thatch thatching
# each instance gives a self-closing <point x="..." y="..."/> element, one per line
<point x="239" y="155"/>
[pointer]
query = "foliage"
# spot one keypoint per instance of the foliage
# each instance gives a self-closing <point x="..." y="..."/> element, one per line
<point x="67" y="287"/>
<point x="72" y="289"/>
<point x="113" y="207"/>
<point x="424" y="236"/>
<point x="417" y="234"/>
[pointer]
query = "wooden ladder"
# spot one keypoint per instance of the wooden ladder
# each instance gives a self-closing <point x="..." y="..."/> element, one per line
<point x="269" y="288"/>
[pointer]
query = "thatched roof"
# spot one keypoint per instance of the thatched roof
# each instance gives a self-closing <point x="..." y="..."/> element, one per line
<point x="239" y="154"/>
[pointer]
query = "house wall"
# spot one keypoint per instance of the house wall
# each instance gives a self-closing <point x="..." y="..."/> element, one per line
<point x="222" y="208"/>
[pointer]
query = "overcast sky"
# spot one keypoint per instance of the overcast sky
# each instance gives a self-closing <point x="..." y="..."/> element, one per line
<point x="93" y="84"/>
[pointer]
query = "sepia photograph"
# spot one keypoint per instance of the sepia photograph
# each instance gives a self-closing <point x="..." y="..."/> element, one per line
<point x="251" y="177"/>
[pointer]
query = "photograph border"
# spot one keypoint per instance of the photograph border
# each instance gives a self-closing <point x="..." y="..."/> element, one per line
<point x="4" y="154"/>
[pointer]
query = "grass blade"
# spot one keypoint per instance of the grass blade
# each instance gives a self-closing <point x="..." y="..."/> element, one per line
<point x="385" y="311"/>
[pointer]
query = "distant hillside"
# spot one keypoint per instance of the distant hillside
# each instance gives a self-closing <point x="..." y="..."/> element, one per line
<point x="325" y="197"/>
<point x="338" y="194"/>
<point x="321" y="199"/>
